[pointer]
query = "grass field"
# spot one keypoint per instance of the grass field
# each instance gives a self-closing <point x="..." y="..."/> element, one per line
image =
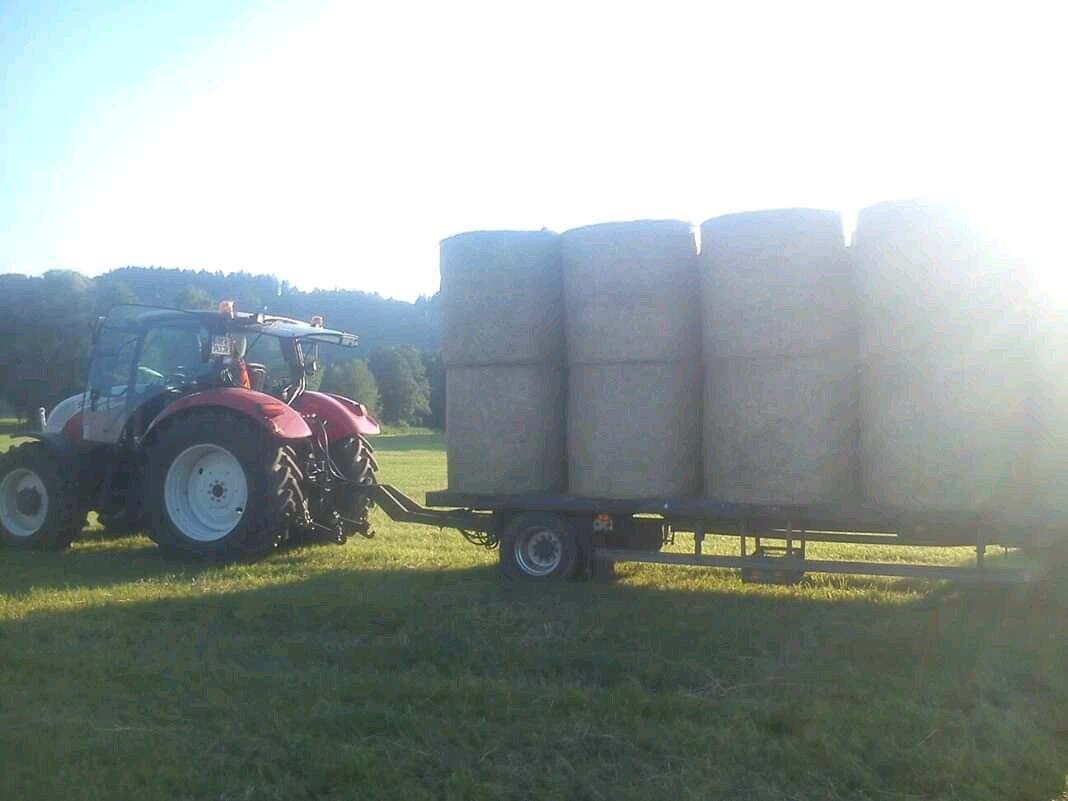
<point x="403" y="668"/>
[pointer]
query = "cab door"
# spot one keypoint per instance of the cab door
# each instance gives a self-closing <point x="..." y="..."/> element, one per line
<point x="110" y="376"/>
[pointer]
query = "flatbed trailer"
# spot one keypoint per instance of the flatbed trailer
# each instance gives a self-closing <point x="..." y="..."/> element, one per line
<point x="565" y="536"/>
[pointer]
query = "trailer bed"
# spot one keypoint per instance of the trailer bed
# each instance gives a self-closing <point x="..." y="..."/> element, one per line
<point x="773" y="538"/>
<point x="926" y="528"/>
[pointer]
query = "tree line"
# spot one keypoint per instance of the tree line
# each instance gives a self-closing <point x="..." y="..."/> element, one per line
<point x="46" y="322"/>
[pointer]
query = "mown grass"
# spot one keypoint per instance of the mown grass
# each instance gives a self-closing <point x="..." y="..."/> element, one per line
<point x="403" y="668"/>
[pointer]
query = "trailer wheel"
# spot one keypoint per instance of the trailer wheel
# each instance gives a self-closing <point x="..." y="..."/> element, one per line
<point x="538" y="545"/>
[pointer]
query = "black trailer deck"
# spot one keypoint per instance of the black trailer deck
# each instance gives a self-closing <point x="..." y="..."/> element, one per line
<point x="772" y="539"/>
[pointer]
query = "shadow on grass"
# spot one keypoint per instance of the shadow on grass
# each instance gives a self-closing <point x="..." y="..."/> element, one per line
<point x="962" y="694"/>
<point x="132" y="559"/>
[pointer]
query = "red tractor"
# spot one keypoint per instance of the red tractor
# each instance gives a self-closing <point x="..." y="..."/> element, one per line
<point x="197" y="428"/>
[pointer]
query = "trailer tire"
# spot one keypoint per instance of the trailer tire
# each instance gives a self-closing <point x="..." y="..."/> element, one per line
<point x="538" y="545"/>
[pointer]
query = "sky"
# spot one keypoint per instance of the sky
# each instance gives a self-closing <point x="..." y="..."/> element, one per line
<point x="335" y="144"/>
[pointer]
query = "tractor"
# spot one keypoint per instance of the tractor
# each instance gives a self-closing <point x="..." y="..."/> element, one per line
<point x="197" y="427"/>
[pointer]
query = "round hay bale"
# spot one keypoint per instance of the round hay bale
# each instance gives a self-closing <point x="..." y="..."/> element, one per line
<point x="634" y="430"/>
<point x="781" y="431"/>
<point x="1049" y="441"/>
<point x="940" y="433"/>
<point x="504" y="429"/>
<point x="630" y="292"/>
<point x="928" y="276"/>
<point x="501" y="298"/>
<point x="776" y="283"/>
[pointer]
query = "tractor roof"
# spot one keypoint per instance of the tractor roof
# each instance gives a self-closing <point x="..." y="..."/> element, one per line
<point x="139" y="317"/>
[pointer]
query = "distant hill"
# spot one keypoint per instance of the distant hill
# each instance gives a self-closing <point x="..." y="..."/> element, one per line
<point x="378" y="321"/>
<point x="45" y="322"/>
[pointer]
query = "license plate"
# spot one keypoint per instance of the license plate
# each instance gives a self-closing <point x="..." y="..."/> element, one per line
<point x="220" y="346"/>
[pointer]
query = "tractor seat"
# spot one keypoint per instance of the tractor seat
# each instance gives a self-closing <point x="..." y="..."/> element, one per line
<point x="257" y="376"/>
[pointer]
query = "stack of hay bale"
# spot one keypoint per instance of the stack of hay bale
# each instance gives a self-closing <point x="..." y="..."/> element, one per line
<point x="1049" y="450"/>
<point x="634" y="376"/>
<point x="780" y="410"/>
<point x="503" y="351"/>
<point x="907" y="363"/>
<point x="945" y="368"/>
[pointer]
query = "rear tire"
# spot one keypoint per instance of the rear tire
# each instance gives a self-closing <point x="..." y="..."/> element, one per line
<point x="219" y="488"/>
<point x="38" y="498"/>
<point x="539" y="545"/>
<point x="354" y="458"/>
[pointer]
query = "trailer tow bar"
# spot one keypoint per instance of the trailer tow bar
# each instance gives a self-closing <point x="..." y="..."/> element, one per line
<point x="476" y="527"/>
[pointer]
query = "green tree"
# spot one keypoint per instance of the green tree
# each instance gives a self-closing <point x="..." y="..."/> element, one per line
<point x="192" y="297"/>
<point x="108" y="292"/>
<point x="353" y="379"/>
<point x="435" y="373"/>
<point x="402" y="384"/>
<point x="46" y="358"/>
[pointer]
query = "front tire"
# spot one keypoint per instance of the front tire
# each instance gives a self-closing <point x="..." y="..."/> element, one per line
<point x="219" y="488"/>
<point x="38" y="498"/>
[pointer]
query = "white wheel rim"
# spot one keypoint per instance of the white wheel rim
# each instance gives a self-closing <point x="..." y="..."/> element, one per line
<point x="538" y="551"/>
<point x="20" y="513"/>
<point x="205" y="492"/>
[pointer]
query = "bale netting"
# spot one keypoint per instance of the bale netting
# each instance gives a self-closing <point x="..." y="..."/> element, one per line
<point x="928" y="276"/>
<point x="501" y="298"/>
<point x="630" y="292"/>
<point x="946" y="434"/>
<point x="634" y="430"/>
<point x="781" y="431"/>
<point x="503" y="429"/>
<point x="776" y="283"/>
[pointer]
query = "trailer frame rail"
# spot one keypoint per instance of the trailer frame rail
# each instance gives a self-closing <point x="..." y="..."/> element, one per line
<point x="779" y="534"/>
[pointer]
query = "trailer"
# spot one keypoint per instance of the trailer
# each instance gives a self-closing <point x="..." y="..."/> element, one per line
<point x="551" y="536"/>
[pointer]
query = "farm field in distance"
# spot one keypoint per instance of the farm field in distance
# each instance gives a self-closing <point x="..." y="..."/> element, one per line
<point x="403" y="668"/>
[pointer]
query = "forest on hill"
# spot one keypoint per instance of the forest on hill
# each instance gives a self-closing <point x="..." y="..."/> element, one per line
<point x="46" y="322"/>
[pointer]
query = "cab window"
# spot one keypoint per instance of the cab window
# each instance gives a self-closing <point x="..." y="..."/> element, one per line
<point x="172" y="354"/>
<point x="267" y="351"/>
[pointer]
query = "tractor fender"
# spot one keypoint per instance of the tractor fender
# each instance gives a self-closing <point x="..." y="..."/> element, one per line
<point x="344" y="417"/>
<point x="65" y="411"/>
<point x="278" y="419"/>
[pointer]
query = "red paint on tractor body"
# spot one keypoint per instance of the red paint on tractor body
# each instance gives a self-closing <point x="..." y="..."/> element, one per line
<point x="72" y="429"/>
<point x="343" y="416"/>
<point x="287" y="425"/>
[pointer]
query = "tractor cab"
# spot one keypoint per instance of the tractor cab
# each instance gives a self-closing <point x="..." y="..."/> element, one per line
<point x="145" y="358"/>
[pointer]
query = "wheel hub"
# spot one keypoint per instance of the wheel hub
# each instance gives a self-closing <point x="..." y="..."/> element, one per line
<point x="538" y="551"/>
<point x="28" y="501"/>
<point x="205" y="492"/>
<point x="544" y="550"/>
<point x="23" y="502"/>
